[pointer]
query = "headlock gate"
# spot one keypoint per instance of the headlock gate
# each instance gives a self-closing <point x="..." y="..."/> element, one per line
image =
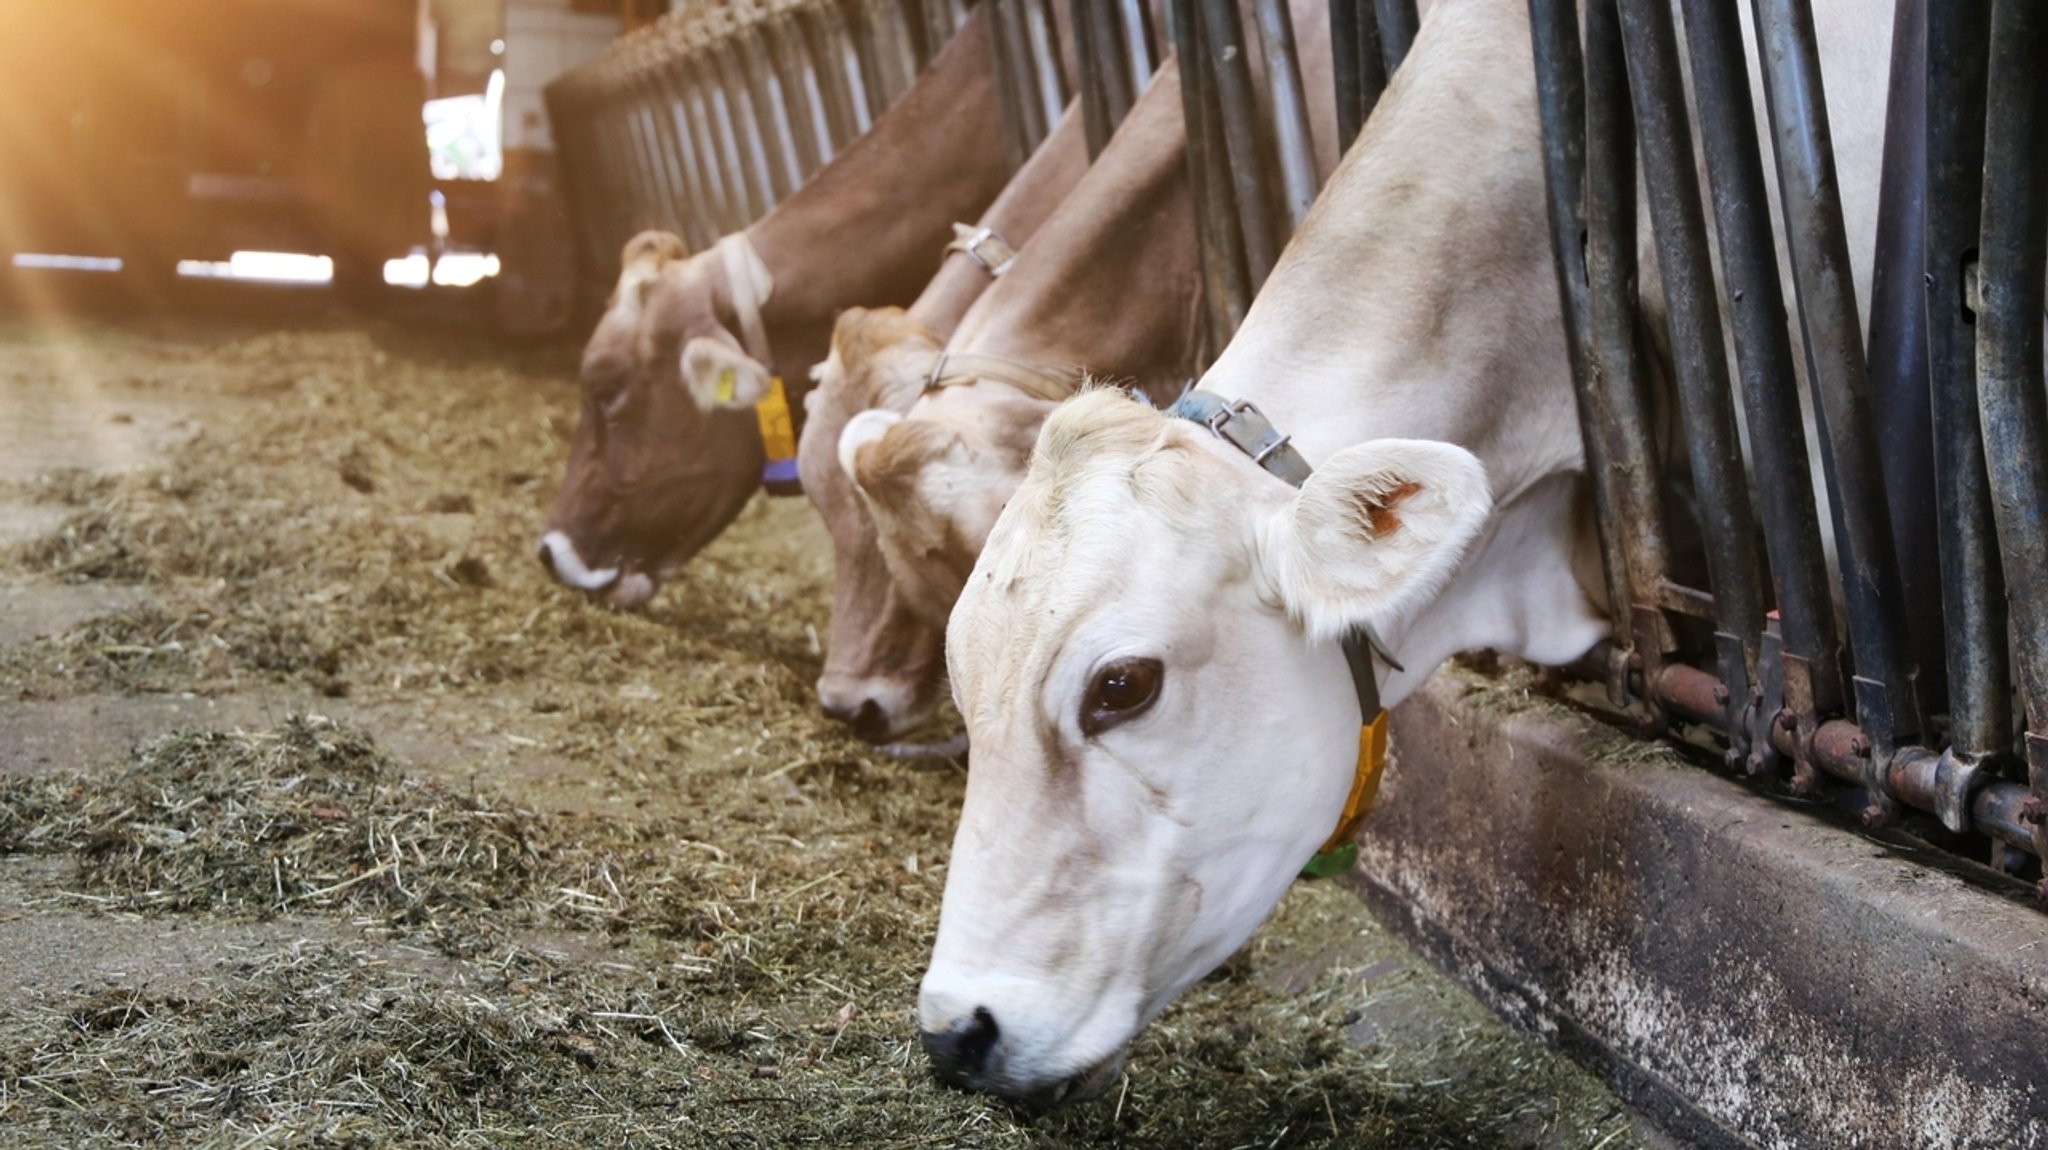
<point x="1934" y="435"/>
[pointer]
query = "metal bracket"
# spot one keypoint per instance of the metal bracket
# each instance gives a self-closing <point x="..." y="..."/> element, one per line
<point x="1874" y="716"/>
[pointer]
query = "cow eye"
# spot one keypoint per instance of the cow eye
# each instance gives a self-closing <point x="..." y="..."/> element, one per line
<point x="1120" y="691"/>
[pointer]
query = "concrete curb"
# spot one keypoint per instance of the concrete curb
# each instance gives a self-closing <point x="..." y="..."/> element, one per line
<point x="1747" y="974"/>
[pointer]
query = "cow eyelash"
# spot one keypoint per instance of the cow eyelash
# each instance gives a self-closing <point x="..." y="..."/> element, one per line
<point x="1118" y="692"/>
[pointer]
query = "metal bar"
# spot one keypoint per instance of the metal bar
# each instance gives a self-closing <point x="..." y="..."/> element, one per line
<point x="1973" y="603"/>
<point x="1804" y="681"/>
<point x="1139" y="44"/>
<point x="1664" y="136"/>
<point x="1237" y="110"/>
<point x="1013" y="71"/>
<point x="702" y="218"/>
<point x="728" y="202"/>
<point x="1897" y="350"/>
<point x="1359" y="65"/>
<point x="799" y="77"/>
<point x="1997" y="809"/>
<point x="1043" y="34"/>
<point x="1619" y="399"/>
<point x="1121" y="82"/>
<point x="1292" y="144"/>
<point x="829" y="64"/>
<point x="1226" y="290"/>
<point x="1091" y="81"/>
<point x="660" y="129"/>
<point x="1561" y="110"/>
<point x="1885" y="707"/>
<point x="1397" y="25"/>
<point x="765" y="183"/>
<point x="2012" y="263"/>
<point x="771" y="110"/>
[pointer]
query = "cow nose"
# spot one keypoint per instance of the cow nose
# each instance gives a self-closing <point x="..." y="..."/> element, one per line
<point x="961" y="1052"/>
<point x="868" y="720"/>
<point x="547" y="559"/>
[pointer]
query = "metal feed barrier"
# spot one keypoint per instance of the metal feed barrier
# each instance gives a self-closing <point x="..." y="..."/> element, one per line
<point x="702" y="122"/>
<point x="1252" y="169"/>
<point x="1934" y="436"/>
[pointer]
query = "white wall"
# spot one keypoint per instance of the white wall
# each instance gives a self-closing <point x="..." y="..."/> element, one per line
<point x="544" y="39"/>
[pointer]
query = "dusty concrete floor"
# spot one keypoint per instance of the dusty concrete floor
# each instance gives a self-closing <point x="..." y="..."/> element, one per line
<point x="176" y="553"/>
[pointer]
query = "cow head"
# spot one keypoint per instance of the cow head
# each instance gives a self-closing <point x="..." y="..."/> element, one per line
<point x="935" y="479"/>
<point x="667" y="448"/>
<point x="1163" y="722"/>
<point x="882" y="662"/>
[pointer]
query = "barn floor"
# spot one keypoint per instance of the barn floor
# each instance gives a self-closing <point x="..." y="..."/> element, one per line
<point x="326" y="821"/>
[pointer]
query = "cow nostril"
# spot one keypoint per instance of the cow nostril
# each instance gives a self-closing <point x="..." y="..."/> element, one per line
<point x="963" y="1051"/>
<point x="547" y="559"/>
<point x="871" y="722"/>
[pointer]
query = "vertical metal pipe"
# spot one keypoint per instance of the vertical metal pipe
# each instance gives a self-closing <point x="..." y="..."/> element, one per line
<point x="1561" y="110"/>
<point x="2012" y="263"/>
<point x="1292" y="145"/>
<point x="1397" y="25"/>
<point x="1973" y="601"/>
<point x="1360" y="64"/>
<point x="1016" y="133"/>
<point x="1093" y="84"/>
<point x="1805" y="682"/>
<point x="1664" y="135"/>
<point x="1114" y="62"/>
<point x="1238" y="111"/>
<point x="729" y="212"/>
<point x="1897" y="350"/>
<point x="1620" y="400"/>
<point x="829" y="64"/>
<point x="1226" y="290"/>
<point x="763" y="177"/>
<point x="668" y="170"/>
<point x="799" y="78"/>
<point x="1885" y="707"/>
<point x="771" y="110"/>
<point x="703" y="215"/>
<point x="1049" y="68"/>
<point x="1140" y="48"/>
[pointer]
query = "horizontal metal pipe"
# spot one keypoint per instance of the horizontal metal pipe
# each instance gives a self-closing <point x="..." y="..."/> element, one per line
<point x="1841" y="748"/>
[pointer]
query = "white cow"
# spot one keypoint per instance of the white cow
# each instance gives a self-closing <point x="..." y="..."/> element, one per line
<point x="1163" y="725"/>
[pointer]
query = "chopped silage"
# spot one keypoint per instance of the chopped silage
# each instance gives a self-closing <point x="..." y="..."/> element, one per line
<point x="720" y="950"/>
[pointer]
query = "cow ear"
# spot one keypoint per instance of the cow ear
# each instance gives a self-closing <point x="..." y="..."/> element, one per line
<point x="721" y="375"/>
<point x="1374" y="533"/>
<point x="641" y="261"/>
<point x="860" y="431"/>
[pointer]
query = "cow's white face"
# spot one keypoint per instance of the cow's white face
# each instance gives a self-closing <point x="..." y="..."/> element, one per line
<point x="1163" y="725"/>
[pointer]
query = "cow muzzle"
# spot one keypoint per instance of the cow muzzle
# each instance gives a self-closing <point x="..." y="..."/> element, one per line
<point x="969" y="1055"/>
<point x="620" y="588"/>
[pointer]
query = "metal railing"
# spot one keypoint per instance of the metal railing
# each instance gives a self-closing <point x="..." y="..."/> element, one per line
<point x="1252" y="167"/>
<point x="701" y="122"/>
<point x="1923" y="726"/>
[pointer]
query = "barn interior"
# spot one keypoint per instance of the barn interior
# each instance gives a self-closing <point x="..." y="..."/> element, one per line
<point x="328" y="817"/>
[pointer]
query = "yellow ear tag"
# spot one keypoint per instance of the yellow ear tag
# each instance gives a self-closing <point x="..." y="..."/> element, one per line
<point x="728" y="385"/>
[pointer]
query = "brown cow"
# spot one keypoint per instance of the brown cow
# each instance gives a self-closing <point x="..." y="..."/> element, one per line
<point x="1109" y="286"/>
<point x="667" y="449"/>
<point x="880" y="664"/>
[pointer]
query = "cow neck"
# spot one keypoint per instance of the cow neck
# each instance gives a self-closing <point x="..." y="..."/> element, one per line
<point x="749" y="284"/>
<point x="1035" y="381"/>
<point x="1242" y="426"/>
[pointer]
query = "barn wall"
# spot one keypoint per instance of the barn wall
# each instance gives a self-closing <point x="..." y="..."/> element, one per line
<point x="1751" y="973"/>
